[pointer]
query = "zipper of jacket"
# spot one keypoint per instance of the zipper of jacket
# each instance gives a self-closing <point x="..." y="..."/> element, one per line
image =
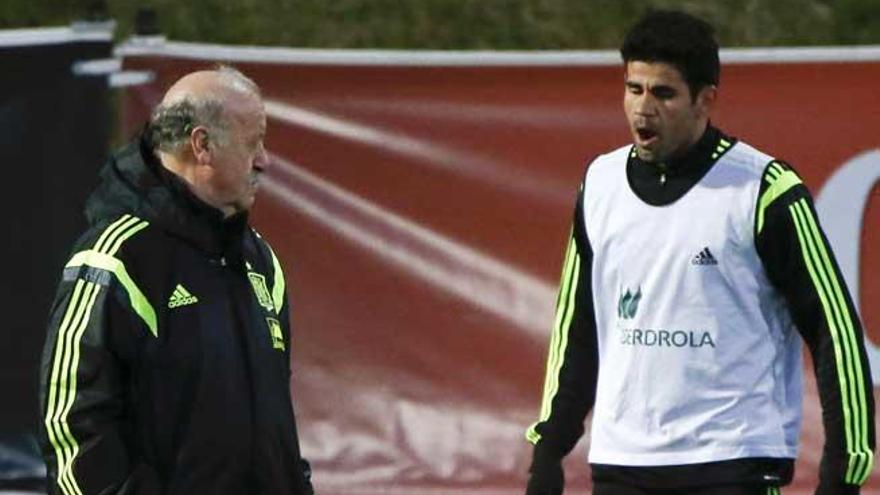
<point x="231" y="278"/>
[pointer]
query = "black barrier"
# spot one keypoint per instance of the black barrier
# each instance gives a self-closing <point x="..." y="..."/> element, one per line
<point x="54" y="130"/>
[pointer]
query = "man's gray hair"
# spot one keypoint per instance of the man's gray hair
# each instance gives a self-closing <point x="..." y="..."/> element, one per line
<point x="172" y="123"/>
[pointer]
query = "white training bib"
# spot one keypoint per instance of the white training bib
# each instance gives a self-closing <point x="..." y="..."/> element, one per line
<point x="698" y="358"/>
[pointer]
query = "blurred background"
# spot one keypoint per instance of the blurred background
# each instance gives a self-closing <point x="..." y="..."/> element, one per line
<point x="426" y="156"/>
<point x="458" y="24"/>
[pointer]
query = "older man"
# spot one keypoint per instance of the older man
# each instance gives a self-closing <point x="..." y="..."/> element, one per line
<point x="166" y="366"/>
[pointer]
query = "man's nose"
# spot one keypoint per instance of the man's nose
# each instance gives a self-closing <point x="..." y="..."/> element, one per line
<point x="261" y="161"/>
<point x="646" y="104"/>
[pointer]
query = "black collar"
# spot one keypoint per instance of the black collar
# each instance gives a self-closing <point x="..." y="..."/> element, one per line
<point x="202" y="222"/>
<point x="660" y="184"/>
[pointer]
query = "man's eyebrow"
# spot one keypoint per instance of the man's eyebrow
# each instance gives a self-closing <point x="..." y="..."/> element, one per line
<point x="662" y="87"/>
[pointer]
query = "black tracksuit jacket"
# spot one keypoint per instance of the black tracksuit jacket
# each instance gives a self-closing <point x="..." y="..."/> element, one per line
<point x="166" y="365"/>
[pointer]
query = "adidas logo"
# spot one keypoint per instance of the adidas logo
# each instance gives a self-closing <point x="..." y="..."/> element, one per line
<point x="704" y="258"/>
<point x="181" y="297"/>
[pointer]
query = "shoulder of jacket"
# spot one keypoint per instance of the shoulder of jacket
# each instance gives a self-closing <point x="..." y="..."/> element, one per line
<point x="264" y="250"/>
<point x="260" y="243"/>
<point x="114" y="236"/>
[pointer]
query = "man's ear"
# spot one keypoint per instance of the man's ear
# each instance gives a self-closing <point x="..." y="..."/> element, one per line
<point x="707" y="97"/>
<point x="199" y="142"/>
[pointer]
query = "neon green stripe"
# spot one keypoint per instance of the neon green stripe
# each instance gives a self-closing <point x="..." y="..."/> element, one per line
<point x="62" y="430"/>
<point x="556" y="345"/>
<point x="809" y="254"/>
<point x="842" y="319"/>
<point x="59" y="419"/>
<point x="567" y="324"/>
<point x="58" y="389"/>
<point x="772" y="173"/>
<point x="853" y="362"/>
<point x="563" y="278"/>
<point x="786" y="181"/>
<point x="55" y="437"/>
<point x="124" y="236"/>
<point x="62" y="386"/>
<point x="869" y="466"/>
<point x="777" y="168"/>
<point x="109" y="232"/>
<point x="278" y="285"/>
<point x="71" y="445"/>
<point x="72" y="396"/>
<point x="552" y="353"/>
<point x="724" y="142"/>
<point x="139" y="302"/>
<point x="563" y="333"/>
<point x="129" y="223"/>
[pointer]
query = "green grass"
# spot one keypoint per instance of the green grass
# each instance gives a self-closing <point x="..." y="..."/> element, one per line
<point x="465" y="24"/>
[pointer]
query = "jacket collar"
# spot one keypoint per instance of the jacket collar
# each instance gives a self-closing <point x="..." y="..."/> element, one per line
<point x="134" y="181"/>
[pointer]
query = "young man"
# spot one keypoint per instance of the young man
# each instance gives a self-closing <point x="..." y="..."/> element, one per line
<point x="695" y="270"/>
<point x="167" y="363"/>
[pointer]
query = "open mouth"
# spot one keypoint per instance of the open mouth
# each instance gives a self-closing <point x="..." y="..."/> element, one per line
<point x="645" y="134"/>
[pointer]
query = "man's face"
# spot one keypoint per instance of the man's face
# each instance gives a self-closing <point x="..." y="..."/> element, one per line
<point x="663" y="119"/>
<point x="240" y="158"/>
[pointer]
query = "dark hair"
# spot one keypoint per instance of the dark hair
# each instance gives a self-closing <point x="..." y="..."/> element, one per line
<point x="679" y="39"/>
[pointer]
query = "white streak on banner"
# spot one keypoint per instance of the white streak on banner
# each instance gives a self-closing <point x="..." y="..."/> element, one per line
<point x="505" y="114"/>
<point x="462" y="271"/>
<point x="424" y="152"/>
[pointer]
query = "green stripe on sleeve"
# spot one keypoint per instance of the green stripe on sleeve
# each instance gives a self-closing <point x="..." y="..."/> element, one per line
<point x="860" y="463"/>
<point x="139" y="302"/>
<point x="114" y="247"/>
<point x="62" y="385"/>
<point x="847" y="361"/>
<point x="74" y="366"/>
<point x="532" y="435"/>
<point x="57" y="388"/>
<point x="563" y="331"/>
<point x="59" y="420"/>
<point x="785" y="181"/>
<point x="112" y="231"/>
<point x="808" y="252"/>
<point x="65" y="444"/>
<point x="559" y="340"/>
<point x="773" y="172"/>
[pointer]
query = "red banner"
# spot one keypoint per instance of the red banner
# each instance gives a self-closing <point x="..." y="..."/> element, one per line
<point x="420" y="204"/>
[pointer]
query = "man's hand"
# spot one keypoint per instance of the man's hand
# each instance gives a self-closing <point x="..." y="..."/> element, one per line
<point x="546" y="474"/>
